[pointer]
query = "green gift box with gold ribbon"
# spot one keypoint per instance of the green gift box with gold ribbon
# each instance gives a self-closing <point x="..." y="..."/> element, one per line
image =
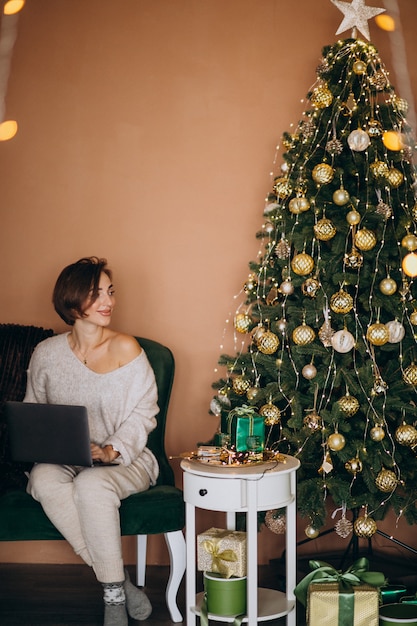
<point x="222" y="551"/>
<point x="335" y="598"/>
<point x="245" y="430"/>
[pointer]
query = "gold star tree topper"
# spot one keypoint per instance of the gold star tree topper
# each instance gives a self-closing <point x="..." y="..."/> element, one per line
<point x="356" y="15"/>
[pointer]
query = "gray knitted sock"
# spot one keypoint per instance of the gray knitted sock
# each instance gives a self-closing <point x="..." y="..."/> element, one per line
<point x="115" y="615"/>
<point x="114" y="605"/>
<point x="137" y="603"/>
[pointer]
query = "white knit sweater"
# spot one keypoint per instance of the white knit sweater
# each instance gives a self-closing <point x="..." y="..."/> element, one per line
<point x="121" y="404"/>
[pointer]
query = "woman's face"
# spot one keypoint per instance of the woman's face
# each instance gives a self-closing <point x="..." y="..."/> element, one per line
<point x="100" y="311"/>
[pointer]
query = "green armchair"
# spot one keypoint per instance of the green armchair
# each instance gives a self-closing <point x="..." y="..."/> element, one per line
<point x="159" y="510"/>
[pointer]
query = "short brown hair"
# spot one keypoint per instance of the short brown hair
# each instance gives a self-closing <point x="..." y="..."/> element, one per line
<point x="77" y="287"/>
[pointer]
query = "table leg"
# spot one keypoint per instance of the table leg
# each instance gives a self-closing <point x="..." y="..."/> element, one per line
<point x="252" y="556"/>
<point x="190" y="590"/>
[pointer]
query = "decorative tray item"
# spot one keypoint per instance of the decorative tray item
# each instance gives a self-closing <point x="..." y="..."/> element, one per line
<point x="223" y="457"/>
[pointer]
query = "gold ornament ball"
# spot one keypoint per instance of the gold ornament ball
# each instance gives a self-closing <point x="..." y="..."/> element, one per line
<point x="324" y="230"/>
<point x="410" y="374"/>
<point x="365" y="527"/>
<point x="377" y="433"/>
<point x="312" y="421"/>
<point x="321" y="97"/>
<point x="349" y="405"/>
<point x="386" y="481"/>
<point x="359" y="67"/>
<point x="377" y="334"/>
<point x="394" y="178"/>
<point x="336" y="442"/>
<point x="311" y="532"/>
<point x="240" y="385"/>
<point x="271" y="413"/>
<point x="413" y="317"/>
<point x="282" y="187"/>
<point x="388" y="286"/>
<point x="409" y="241"/>
<point x="323" y="173"/>
<point x="354" y="466"/>
<point x="268" y="343"/>
<point x="353" y="218"/>
<point x="365" y="239"/>
<point x="303" y="335"/>
<point x="341" y="302"/>
<point x="379" y="169"/>
<point x="252" y="392"/>
<point x="302" y="264"/>
<point x="298" y="205"/>
<point x="242" y="322"/>
<point x="406" y="435"/>
<point x="341" y="197"/>
<point x="414" y="213"/>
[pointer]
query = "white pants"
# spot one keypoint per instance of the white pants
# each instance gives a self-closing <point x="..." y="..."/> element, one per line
<point x="83" y="504"/>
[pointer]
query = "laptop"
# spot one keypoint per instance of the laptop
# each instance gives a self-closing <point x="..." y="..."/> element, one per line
<point x="49" y="433"/>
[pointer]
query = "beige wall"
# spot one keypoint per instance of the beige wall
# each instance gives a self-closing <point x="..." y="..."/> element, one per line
<point x="147" y="135"/>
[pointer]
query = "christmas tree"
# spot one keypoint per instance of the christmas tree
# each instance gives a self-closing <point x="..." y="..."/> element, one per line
<point x="328" y="319"/>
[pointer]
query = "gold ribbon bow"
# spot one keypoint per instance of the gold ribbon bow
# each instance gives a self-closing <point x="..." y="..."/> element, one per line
<point x="220" y="558"/>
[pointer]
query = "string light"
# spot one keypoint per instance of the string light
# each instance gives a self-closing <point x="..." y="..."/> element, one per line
<point x="12" y="7"/>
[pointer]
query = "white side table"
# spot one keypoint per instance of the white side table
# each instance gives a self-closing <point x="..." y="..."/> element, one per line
<point x="246" y="489"/>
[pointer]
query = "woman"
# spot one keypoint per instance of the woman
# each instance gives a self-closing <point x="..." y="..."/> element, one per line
<point x="109" y="373"/>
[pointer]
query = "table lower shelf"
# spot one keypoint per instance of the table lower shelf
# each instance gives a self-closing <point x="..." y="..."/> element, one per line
<point x="271" y="604"/>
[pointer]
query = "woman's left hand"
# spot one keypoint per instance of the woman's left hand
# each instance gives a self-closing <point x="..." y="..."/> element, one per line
<point x="106" y="455"/>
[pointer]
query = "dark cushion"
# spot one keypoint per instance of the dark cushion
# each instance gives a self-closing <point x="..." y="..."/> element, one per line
<point x="158" y="510"/>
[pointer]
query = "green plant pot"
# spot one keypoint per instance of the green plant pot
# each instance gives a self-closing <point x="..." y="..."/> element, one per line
<point x="225" y="596"/>
<point x="396" y="614"/>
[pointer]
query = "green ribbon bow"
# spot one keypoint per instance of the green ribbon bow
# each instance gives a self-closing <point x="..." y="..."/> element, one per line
<point x="219" y="557"/>
<point x="356" y="574"/>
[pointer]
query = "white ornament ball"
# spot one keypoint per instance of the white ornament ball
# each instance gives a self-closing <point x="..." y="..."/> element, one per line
<point x="309" y="371"/>
<point x="343" y="341"/>
<point x="396" y="331"/>
<point x="286" y="287"/>
<point x="358" y="140"/>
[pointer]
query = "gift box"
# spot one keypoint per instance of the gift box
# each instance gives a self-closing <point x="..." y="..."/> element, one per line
<point x="245" y="429"/>
<point x="222" y="551"/>
<point x="327" y="603"/>
<point x="335" y="598"/>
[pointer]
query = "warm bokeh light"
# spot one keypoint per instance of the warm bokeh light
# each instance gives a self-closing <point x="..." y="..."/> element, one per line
<point x="8" y="130"/>
<point x="13" y="6"/>
<point x="409" y="264"/>
<point x="385" y="22"/>
<point x="393" y="140"/>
